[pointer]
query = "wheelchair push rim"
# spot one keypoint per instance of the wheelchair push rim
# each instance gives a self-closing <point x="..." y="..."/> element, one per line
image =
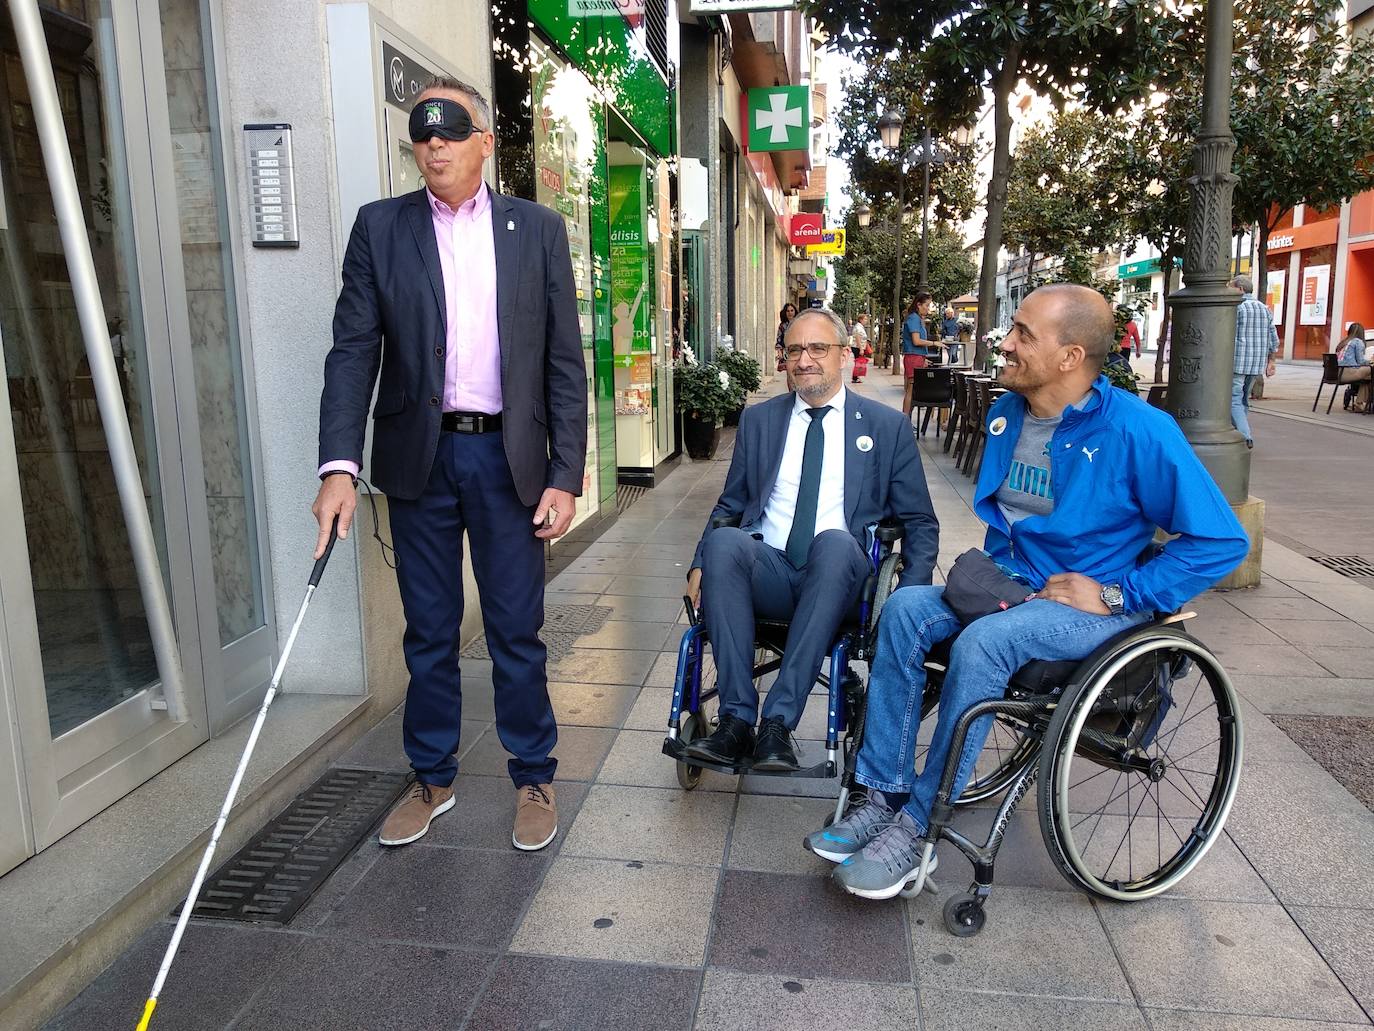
<point x="1009" y="749"/>
<point x="1132" y="823"/>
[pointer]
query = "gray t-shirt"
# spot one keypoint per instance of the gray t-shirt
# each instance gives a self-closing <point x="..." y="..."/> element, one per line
<point x="1026" y="490"/>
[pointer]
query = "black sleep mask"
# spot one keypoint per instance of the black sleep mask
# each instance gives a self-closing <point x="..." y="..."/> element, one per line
<point x="440" y="116"/>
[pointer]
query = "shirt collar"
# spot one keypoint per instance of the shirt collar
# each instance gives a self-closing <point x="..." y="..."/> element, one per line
<point x="836" y="402"/>
<point x="475" y="206"/>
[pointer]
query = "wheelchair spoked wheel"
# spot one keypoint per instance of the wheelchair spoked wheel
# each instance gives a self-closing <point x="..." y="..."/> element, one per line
<point x="889" y="574"/>
<point x="1140" y="766"/>
<point x="693" y="726"/>
<point x="1010" y="748"/>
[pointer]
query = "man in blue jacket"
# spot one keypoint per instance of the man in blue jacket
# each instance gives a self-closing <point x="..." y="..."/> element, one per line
<point x="1075" y="479"/>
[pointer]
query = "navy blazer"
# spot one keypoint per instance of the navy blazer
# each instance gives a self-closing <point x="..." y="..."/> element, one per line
<point x="389" y="323"/>
<point x="884" y="482"/>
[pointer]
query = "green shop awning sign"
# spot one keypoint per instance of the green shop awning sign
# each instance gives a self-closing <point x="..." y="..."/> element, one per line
<point x="1136" y="269"/>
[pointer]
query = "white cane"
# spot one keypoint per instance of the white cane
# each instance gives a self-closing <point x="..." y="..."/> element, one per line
<point x="191" y="895"/>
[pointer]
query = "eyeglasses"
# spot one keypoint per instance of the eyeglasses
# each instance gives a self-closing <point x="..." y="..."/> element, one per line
<point x="815" y="349"/>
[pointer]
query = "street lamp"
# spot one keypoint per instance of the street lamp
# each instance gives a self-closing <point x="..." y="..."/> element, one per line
<point x="928" y="156"/>
<point x="890" y="129"/>
<point x="890" y="132"/>
<point x="863" y="214"/>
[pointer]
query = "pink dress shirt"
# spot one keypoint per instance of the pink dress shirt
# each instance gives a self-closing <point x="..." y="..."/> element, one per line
<point x="472" y="345"/>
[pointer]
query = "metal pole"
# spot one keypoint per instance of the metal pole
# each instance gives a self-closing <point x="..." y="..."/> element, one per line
<point x="924" y="281"/>
<point x="76" y="246"/>
<point x="1202" y="356"/>
<point x="896" y="340"/>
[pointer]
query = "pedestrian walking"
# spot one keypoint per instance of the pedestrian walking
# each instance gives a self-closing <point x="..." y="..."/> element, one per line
<point x="915" y="352"/>
<point x="1256" y="344"/>
<point x="785" y="317"/>
<point x="466" y="301"/>
<point x="1130" y="334"/>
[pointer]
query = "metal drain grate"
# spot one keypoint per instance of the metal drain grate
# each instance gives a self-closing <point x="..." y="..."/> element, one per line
<point x="274" y="875"/>
<point x="563" y="625"/>
<point x="1346" y="565"/>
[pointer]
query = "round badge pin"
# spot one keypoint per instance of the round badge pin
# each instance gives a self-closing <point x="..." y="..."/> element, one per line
<point x="997" y="426"/>
<point x="864" y="443"/>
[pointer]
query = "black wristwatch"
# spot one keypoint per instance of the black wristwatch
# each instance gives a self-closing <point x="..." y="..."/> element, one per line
<point x="1112" y="598"/>
<point x="339" y="472"/>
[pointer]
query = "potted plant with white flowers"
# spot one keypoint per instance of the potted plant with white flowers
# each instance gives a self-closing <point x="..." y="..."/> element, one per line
<point x="705" y="394"/>
<point x="992" y="340"/>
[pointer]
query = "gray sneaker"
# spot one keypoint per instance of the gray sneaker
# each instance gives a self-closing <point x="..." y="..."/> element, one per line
<point x="866" y="815"/>
<point x="887" y="863"/>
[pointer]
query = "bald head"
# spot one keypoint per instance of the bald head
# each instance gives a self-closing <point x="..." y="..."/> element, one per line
<point x="1080" y="315"/>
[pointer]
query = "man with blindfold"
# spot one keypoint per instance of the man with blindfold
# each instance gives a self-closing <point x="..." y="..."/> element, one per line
<point x="459" y="304"/>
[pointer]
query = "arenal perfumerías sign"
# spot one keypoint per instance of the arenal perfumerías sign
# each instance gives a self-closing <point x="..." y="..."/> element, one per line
<point x="779" y="118"/>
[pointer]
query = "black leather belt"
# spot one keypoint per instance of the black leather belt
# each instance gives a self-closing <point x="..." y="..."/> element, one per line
<point x="470" y="422"/>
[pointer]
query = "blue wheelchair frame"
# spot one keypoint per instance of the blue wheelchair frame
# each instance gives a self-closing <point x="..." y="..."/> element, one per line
<point x="853" y="642"/>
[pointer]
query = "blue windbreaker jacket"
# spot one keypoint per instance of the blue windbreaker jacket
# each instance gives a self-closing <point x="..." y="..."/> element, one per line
<point x="1118" y="469"/>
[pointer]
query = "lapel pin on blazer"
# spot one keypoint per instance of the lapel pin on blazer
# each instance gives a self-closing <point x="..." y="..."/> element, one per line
<point x="510" y="226"/>
<point x="864" y="443"/>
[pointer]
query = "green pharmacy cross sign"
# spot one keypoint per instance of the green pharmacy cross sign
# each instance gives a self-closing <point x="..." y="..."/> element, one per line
<point x="779" y="118"/>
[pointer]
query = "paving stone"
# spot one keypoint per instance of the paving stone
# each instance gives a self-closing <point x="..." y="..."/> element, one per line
<point x="637" y="759"/>
<point x="1335" y="696"/>
<point x="602" y="666"/>
<point x="654" y="824"/>
<point x="650" y="586"/>
<point x="1321" y="633"/>
<point x="445" y="896"/>
<point x="570" y="995"/>
<point x="382" y="747"/>
<point x="217" y="969"/>
<point x="1343" y="662"/>
<point x="591" y="705"/>
<point x="769" y="830"/>
<point x="1188" y="1020"/>
<point x="369" y="986"/>
<point x="650" y="711"/>
<point x="731" y="1001"/>
<point x="484" y="811"/>
<point x="669" y="569"/>
<point x="1282" y="659"/>
<point x="632" y="635"/>
<point x="1230" y="957"/>
<point x="649" y="610"/>
<point x="579" y="752"/>
<point x="589" y="583"/>
<point x="1343" y="745"/>
<point x="807" y="927"/>
<point x="1267" y="610"/>
<point x="1307" y="836"/>
<point x="1034" y="943"/>
<point x="1345" y="939"/>
<point x="616" y="550"/>
<point x="944" y="1010"/>
<point x="343" y="880"/>
<point x="624" y="911"/>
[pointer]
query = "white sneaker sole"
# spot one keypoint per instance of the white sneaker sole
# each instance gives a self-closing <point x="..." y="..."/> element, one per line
<point x="834" y="857"/>
<point x="439" y="810"/>
<point x="533" y="848"/>
<point x="880" y="894"/>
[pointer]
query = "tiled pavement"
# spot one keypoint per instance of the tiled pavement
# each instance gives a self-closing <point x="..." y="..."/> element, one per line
<point x="658" y="909"/>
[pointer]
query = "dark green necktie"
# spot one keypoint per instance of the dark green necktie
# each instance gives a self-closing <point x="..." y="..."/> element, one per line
<point x="808" y="493"/>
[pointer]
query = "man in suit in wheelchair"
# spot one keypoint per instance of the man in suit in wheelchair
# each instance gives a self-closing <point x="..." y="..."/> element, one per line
<point x="1076" y="477"/>
<point x="813" y="473"/>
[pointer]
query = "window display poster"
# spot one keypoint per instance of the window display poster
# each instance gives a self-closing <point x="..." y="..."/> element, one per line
<point x="1316" y="289"/>
<point x="629" y="268"/>
<point x="1273" y="295"/>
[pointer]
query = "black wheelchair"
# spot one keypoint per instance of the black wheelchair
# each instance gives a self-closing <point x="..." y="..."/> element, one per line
<point x="1137" y="750"/>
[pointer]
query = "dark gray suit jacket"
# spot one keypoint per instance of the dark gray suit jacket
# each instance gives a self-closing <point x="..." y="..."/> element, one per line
<point x="391" y="317"/>
<point x="884" y="482"/>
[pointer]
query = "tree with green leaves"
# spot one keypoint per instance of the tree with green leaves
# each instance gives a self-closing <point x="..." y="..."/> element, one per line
<point x="1063" y="195"/>
<point x="1104" y="53"/>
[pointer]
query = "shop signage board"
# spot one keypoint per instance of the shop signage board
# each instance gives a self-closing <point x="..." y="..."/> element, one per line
<point x="728" y="6"/>
<point x="780" y="118"/>
<point x="806" y="229"/>
<point x="1314" y="234"/>
<point x="1316" y="289"/>
<point x="1274" y="294"/>
<point x="629" y="270"/>
<point x="832" y="242"/>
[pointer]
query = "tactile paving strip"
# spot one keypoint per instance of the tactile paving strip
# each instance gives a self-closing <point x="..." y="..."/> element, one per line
<point x="274" y="875"/>
<point x="563" y="625"/>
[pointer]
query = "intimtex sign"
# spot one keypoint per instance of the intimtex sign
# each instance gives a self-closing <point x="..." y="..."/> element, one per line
<point x="806" y="229"/>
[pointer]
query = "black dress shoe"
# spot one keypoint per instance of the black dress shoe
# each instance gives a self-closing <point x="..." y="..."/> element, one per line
<point x="729" y="744"/>
<point x="774" y="748"/>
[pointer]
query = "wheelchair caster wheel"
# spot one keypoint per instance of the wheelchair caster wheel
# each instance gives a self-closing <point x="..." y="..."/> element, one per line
<point x="688" y="777"/>
<point x="964" y="916"/>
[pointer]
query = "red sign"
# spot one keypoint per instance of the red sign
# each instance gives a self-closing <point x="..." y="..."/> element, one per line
<point x="806" y="229"/>
<point x="1315" y="234"/>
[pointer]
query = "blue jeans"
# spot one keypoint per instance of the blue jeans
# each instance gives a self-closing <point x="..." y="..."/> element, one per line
<point x="982" y="660"/>
<point x="1240" y="403"/>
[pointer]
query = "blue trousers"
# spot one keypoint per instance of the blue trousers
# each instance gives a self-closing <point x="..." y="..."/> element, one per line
<point x="742" y="577"/>
<point x="470" y="490"/>
<point x="1240" y="403"/>
<point x="984" y="657"/>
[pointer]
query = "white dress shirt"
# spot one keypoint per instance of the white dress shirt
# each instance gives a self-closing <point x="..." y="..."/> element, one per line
<point x="782" y="503"/>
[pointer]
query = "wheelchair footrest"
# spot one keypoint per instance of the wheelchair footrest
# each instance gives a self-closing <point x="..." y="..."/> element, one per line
<point x="676" y="748"/>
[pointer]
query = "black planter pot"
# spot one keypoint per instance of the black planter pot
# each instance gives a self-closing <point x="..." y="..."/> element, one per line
<point x="699" y="436"/>
<point x="732" y="418"/>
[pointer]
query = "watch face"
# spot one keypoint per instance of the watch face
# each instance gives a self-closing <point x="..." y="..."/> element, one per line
<point x="1111" y="596"/>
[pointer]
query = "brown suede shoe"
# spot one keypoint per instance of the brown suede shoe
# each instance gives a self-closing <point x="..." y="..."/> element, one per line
<point x="536" y="817"/>
<point x="410" y="820"/>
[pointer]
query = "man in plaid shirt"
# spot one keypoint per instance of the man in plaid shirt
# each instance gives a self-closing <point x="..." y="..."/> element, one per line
<point x="1256" y="342"/>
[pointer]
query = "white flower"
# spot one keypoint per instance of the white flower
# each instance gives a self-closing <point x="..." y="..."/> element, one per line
<point x="724" y="379"/>
<point x="999" y="360"/>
